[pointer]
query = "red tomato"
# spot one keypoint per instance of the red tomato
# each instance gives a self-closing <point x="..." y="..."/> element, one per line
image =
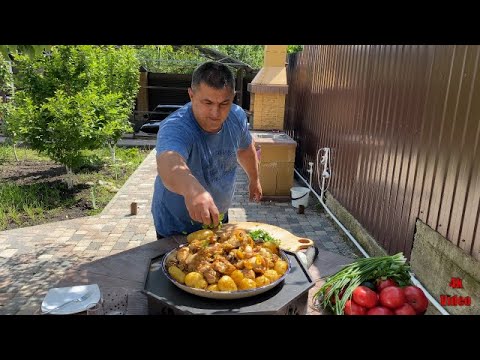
<point x="365" y="297"/>
<point x="416" y="298"/>
<point x="379" y="310"/>
<point x="382" y="284"/>
<point x="392" y="297"/>
<point x="405" y="309"/>
<point x="352" y="308"/>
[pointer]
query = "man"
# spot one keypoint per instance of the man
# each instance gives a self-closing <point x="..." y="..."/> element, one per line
<point x="197" y="151"/>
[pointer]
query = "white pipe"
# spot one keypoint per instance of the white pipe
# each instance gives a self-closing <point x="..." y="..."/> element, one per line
<point x="334" y="217"/>
<point x="310" y="171"/>
<point x="326" y="167"/>
<point x="414" y="280"/>
<point x="323" y="187"/>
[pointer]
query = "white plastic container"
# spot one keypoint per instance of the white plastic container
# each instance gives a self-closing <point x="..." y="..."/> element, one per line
<point x="300" y="196"/>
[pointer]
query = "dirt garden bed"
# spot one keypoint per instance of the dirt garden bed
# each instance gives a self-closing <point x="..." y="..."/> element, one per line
<point x="33" y="190"/>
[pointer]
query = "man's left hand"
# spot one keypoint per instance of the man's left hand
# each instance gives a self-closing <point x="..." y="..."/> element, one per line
<point x="255" y="190"/>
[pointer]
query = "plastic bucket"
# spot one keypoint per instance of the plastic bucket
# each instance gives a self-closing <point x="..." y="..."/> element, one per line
<point x="300" y="196"/>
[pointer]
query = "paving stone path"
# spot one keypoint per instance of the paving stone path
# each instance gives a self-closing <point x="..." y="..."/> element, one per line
<point x="34" y="259"/>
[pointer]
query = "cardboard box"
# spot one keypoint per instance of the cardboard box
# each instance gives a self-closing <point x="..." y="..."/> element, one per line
<point x="276" y="178"/>
<point x="276" y="153"/>
<point x="268" y="178"/>
<point x="277" y="159"/>
<point x="284" y="178"/>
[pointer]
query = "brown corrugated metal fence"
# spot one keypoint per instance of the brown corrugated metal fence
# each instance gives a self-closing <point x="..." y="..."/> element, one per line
<point x="403" y="125"/>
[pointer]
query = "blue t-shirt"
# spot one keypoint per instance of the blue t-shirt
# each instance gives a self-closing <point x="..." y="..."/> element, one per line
<point x="212" y="159"/>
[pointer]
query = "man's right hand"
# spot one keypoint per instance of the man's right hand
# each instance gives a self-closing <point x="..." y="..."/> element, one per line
<point x="202" y="208"/>
<point x="178" y="178"/>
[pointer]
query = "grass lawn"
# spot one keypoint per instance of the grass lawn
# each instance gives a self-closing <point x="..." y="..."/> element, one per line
<point x="33" y="190"/>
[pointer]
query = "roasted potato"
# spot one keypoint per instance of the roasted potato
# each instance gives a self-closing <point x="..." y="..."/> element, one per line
<point x="246" y="284"/>
<point x="177" y="274"/>
<point x="237" y="276"/>
<point x="226" y="283"/>
<point x="281" y="266"/>
<point x="203" y="234"/>
<point x="213" y="287"/>
<point x="262" y="280"/>
<point x="272" y="275"/>
<point x="195" y="280"/>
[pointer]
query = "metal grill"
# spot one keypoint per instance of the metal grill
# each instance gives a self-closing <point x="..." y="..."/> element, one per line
<point x="288" y="298"/>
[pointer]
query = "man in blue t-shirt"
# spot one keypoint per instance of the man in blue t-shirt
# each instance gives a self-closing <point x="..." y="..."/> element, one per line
<point x="197" y="151"/>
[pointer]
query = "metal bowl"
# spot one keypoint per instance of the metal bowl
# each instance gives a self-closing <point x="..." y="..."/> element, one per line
<point x="223" y="295"/>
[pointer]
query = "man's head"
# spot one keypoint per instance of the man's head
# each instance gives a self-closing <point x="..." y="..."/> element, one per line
<point x="212" y="92"/>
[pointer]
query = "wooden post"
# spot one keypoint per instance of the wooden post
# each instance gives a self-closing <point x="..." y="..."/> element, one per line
<point x="240" y="73"/>
<point x="143" y="92"/>
<point x="133" y="208"/>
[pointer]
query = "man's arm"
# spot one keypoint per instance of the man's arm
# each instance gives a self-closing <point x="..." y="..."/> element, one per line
<point x="248" y="160"/>
<point x="177" y="177"/>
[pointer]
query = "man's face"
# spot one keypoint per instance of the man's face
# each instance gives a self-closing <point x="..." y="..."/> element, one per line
<point x="210" y="106"/>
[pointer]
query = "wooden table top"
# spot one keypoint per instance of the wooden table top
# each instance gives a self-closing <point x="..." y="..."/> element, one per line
<point x="125" y="269"/>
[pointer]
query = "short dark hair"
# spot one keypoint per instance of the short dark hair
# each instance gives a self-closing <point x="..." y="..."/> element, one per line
<point x="213" y="74"/>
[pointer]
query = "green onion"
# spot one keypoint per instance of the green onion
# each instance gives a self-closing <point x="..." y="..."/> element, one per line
<point x="352" y="275"/>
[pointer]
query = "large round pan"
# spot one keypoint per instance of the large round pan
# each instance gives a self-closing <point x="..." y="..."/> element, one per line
<point x="223" y="295"/>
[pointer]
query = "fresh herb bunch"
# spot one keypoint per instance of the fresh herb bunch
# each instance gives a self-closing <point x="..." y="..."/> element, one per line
<point x="339" y="287"/>
<point x="212" y="226"/>
<point x="263" y="236"/>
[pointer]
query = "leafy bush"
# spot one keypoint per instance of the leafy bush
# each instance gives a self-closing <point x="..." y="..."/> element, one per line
<point x="78" y="98"/>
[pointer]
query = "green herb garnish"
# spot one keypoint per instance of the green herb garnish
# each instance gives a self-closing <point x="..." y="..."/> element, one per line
<point x="263" y="236"/>
<point x="211" y="226"/>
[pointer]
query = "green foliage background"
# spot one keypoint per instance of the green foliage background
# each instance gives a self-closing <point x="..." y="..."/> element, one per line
<point x="184" y="59"/>
<point x="6" y="77"/>
<point x="77" y="98"/>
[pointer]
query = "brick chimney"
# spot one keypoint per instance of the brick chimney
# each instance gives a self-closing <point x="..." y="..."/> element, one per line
<point x="268" y="90"/>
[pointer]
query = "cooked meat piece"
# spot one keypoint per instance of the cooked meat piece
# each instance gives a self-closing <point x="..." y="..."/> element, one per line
<point x="211" y="276"/>
<point x="223" y="266"/>
<point x="256" y="263"/>
<point x="234" y="242"/>
<point x="224" y="235"/>
<point x="182" y="254"/>
<point x="249" y="274"/>
<point x="196" y="245"/>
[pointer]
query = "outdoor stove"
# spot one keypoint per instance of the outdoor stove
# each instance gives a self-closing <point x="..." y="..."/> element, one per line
<point x="287" y="298"/>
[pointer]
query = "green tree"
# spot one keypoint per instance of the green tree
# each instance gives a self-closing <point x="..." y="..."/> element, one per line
<point x="6" y="76"/>
<point x="294" y="48"/>
<point x="29" y="50"/>
<point x="249" y="54"/>
<point x="7" y="87"/>
<point x="183" y="59"/>
<point x="169" y="59"/>
<point x="117" y="72"/>
<point x="76" y="98"/>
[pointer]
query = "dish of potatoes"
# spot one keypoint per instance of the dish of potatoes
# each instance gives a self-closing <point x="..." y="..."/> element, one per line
<point x="225" y="264"/>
